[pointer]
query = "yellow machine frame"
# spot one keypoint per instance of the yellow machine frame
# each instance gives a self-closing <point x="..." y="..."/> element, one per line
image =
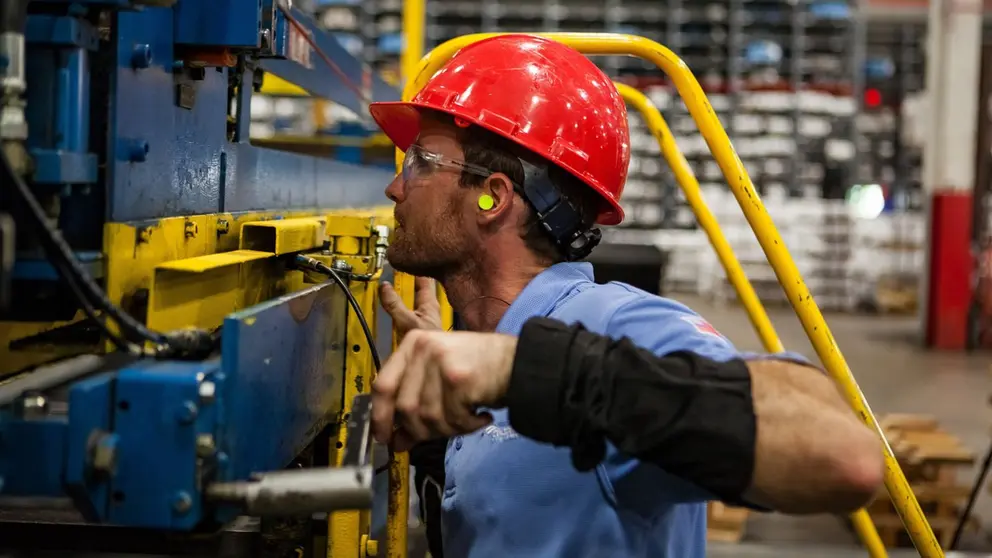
<point x="758" y="218"/>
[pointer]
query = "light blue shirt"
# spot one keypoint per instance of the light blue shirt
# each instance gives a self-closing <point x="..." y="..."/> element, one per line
<point x="508" y="496"/>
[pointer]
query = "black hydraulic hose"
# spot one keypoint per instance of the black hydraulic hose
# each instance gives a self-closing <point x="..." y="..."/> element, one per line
<point x="318" y="266"/>
<point x="66" y="262"/>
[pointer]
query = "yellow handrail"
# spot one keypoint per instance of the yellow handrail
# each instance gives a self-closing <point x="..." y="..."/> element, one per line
<point x="735" y="273"/>
<point x="761" y="223"/>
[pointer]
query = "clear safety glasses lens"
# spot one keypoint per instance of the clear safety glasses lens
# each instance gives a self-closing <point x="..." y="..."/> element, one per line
<point x="415" y="164"/>
<point x="418" y="163"/>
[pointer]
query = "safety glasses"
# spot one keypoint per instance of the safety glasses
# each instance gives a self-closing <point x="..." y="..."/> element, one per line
<point x="420" y="163"/>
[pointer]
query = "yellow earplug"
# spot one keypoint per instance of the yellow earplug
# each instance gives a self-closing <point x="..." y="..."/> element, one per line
<point x="486" y="202"/>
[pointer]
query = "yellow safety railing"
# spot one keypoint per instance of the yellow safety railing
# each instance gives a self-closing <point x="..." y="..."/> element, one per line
<point x="735" y="273"/>
<point x="761" y="223"/>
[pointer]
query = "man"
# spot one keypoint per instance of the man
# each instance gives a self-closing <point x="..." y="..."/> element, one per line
<point x="514" y="151"/>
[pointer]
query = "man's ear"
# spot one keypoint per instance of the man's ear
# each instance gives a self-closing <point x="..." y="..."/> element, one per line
<point x="499" y="189"/>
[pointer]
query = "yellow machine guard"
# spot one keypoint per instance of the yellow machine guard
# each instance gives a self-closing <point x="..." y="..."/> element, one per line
<point x="761" y="223"/>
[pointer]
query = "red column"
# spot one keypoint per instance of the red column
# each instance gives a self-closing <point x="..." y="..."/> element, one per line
<point x="949" y="285"/>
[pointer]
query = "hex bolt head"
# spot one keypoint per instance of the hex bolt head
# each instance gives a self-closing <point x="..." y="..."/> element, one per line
<point x="182" y="503"/>
<point x="205" y="446"/>
<point x="208" y="392"/>
<point x="141" y="56"/>
<point x="187" y="413"/>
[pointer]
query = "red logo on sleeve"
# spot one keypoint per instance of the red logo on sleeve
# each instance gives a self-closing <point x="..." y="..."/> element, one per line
<point x="701" y="325"/>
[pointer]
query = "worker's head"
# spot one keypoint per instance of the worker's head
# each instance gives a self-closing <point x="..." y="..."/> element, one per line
<point x="517" y="142"/>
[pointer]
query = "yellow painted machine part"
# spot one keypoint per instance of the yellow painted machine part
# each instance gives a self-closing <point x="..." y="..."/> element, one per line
<point x="761" y="223"/>
<point x="735" y="273"/>
<point x="277" y="87"/>
<point x="349" y="531"/>
<point x="398" y="501"/>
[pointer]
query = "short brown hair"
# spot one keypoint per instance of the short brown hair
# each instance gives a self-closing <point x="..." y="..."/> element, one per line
<point x="485" y="149"/>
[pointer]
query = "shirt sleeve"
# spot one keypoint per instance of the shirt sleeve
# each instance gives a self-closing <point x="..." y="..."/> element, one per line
<point x="664" y="326"/>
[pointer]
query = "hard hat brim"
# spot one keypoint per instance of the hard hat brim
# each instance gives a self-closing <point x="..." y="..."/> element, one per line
<point x="400" y="121"/>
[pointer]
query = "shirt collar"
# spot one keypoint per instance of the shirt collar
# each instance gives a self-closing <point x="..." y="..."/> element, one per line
<point x="543" y="294"/>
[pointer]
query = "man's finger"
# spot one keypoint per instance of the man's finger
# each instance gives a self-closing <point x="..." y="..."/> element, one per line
<point x="403" y="318"/>
<point x="384" y="391"/>
<point x="432" y="402"/>
<point x="424" y="292"/>
<point x="408" y="397"/>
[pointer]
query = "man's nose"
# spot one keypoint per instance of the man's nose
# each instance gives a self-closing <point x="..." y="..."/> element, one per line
<point x="396" y="189"/>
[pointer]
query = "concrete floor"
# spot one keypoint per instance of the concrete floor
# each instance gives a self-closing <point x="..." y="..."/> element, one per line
<point x="896" y="375"/>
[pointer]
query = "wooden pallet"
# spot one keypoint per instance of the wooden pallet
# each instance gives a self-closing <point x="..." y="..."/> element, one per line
<point x="931" y="458"/>
<point x="725" y="523"/>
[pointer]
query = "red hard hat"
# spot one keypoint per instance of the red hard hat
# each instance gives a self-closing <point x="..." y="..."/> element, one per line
<point x="538" y="93"/>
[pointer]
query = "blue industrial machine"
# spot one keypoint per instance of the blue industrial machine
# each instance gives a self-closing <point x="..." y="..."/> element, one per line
<point x="186" y="318"/>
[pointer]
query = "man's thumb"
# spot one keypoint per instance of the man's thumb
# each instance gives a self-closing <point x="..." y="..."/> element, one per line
<point x="403" y="317"/>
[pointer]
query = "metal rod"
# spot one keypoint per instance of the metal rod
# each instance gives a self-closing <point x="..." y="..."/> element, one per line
<point x="48" y="377"/>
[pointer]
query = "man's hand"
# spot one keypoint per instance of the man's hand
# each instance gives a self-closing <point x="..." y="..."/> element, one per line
<point x="426" y="313"/>
<point x="431" y="386"/>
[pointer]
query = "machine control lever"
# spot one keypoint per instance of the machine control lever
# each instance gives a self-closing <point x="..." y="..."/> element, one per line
<point x="308" y="491"/>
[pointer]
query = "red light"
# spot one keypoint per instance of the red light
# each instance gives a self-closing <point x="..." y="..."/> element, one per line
<point x="873" y="98"/>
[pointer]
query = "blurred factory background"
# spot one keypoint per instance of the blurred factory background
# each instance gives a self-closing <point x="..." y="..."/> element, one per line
<point x="827" y="114"/>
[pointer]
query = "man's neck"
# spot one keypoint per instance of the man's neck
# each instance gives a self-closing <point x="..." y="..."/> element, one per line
<point x="481" y="297"/>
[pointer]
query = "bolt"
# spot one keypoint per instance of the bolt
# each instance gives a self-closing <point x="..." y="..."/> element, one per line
<point x="205" y="446"/>
<point x="137" y="151"/>
<point x="369" y="546"/>
<point x="191" y="229"/>
<point x="188" y="412"/>
<point x="141" y="56"/>
<point x="183" y="502"/>
<point x="208" y="392"/>
<point x="35" y="404"/>
<point x="103" y="453"/>
<point x="223" y="227"/>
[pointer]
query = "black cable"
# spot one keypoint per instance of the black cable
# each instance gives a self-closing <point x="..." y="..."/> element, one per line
<point x="963" y="520"/>
<point x="316" y="265"/>
<point x="67" y="264"/>
<point x="91" y="313"/>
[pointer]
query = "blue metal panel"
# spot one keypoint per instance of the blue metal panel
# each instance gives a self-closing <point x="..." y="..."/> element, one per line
<point x="31" y="457"/>
<point x="190" y="167"/>
<point x="89" y="411"/>
<point x="163" y="160"/>
<point x="59" y="90"/>
<point x="42" y="270"/>
<point x="283" y="365"/>
<point x="315" y="76"/>
<point x="158" y="415"/>
<point x="199" y="23"/>
<point x="260" y="178"/>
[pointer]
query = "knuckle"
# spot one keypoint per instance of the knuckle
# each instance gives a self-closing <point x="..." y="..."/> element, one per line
<point x="382" y="387"/>
<point x="409" y="408"/>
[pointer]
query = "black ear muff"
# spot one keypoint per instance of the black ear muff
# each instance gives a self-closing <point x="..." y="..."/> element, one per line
<point x="582" y="245"/>
<point x="559" y="218"/>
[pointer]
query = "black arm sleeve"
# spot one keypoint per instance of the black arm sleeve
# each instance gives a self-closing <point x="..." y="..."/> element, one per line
<point x="689" y="415"/>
